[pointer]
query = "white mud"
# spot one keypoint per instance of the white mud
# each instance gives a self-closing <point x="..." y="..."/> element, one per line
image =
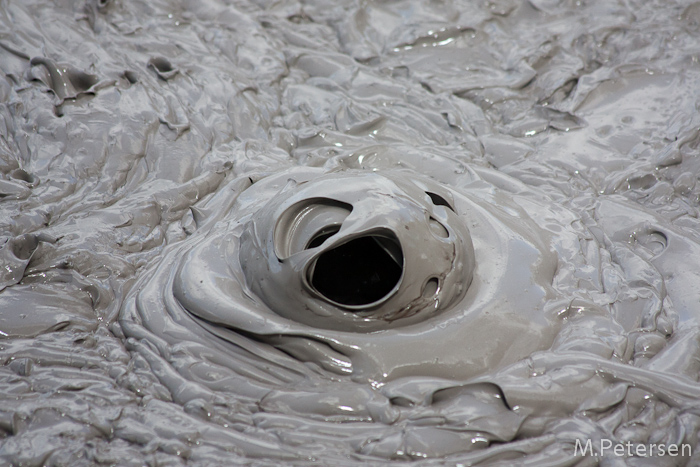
<point x="284" y="233"/>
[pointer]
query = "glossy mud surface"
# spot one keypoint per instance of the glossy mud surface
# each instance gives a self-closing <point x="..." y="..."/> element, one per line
<point x="179" y="182"/>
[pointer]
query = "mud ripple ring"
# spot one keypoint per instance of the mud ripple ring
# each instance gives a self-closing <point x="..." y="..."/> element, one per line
<point x="349" y="269"/>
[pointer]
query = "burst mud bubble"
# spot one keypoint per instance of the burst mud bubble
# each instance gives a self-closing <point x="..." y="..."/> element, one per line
<point x="348" y="269"/>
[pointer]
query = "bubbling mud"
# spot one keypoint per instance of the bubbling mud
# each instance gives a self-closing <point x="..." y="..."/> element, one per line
<point x="317" y="233"/>
<point x="355" y="249"/>
<point x="474" y="263"/>
<point x="476" y="271"/>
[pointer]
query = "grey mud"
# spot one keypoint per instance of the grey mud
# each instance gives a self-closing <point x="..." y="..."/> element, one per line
<point x="343" y="233"/>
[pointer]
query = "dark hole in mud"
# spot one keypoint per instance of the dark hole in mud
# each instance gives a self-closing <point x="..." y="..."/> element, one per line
<point x="131" y="76"/>
<point x="82" y="81"/>
<point x="401" y="402"/>
<point x="322" y="236"/>
<point x="431" y="287"/>
<point x="163" y="68"/>
<point x="439" y="200"/>
<point x="20" y="174"/>
<point x="359" y="272"/>
<point x="161" y="64"/>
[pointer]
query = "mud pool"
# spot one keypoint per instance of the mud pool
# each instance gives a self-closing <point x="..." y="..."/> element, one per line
<point x="195" y="195"/>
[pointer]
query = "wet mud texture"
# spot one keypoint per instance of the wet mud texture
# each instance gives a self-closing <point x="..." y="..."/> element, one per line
<point x="510" y="187"/>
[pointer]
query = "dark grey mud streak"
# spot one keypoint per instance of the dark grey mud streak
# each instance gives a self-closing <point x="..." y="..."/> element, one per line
<point x="334" y="233"/>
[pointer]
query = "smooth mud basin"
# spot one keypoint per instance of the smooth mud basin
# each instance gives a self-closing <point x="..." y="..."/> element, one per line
<point x="382" y="233"/>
